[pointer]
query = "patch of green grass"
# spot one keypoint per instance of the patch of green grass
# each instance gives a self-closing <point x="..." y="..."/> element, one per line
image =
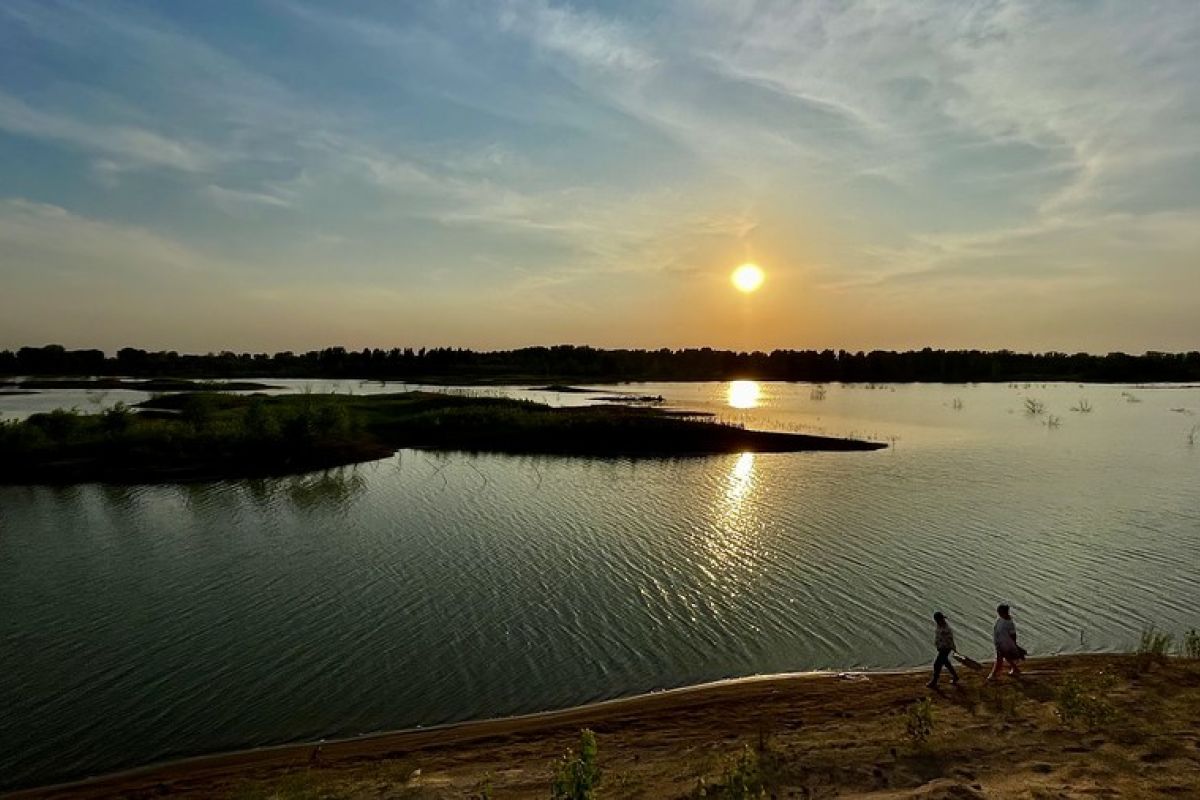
<point x="1004" y="700"/>
<point x="1191" y="644"/>
<point x="741" y="779"/>
<point x="577" y="775"/>
<point x="919" y="721"/>
<point x="1083" y="702"/>
<point x="1153" y="648"/>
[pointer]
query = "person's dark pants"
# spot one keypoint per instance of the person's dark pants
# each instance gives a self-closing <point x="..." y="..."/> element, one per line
<point x="943" y="660"/>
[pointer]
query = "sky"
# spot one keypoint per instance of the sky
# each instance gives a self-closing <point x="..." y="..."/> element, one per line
<point x="289" y="174"/>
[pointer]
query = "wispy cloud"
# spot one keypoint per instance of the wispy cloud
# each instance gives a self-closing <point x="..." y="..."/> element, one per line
<point x="235" y="201"/>
<point x="37" y="237"/>
<point x="582" y="37"/>
<point x="910" y="151"/>
<point x="130" y="145"/>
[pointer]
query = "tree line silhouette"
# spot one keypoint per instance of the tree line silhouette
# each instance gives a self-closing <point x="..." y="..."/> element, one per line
<point x="581" y="363"/>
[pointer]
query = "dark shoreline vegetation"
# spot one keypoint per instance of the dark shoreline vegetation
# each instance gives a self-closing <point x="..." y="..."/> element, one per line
<point x="149" y="385"/>
<point x="565" y="364"/>
<point x="207" y="435"/>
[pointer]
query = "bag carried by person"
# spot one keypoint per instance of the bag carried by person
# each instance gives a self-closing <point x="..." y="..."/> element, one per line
<point x="1014" y="652"/>
<point x="967" y="661"/>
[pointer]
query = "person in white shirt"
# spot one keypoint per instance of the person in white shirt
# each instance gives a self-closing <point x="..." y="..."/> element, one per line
<point x="1004" y="636"/>
<point x="943" y="640"/>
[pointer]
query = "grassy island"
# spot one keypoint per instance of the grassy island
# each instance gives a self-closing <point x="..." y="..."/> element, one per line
<point x="206" y="435"/>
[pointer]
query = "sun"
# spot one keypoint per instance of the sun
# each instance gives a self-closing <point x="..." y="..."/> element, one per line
<point x="747" y="278"/>
<point x="744" y="394"/>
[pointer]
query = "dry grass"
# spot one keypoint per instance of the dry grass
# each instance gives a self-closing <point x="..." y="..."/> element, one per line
<point x="803" y="737"/>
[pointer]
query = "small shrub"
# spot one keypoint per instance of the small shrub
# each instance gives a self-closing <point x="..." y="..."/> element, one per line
<point x="577" y="776"/>
<point x="918" y="721"/>
<point x="1077" y="701"/>
<point x="198" y="410"/>
<point x="19" y="439"/>
<point x="115" y="421"/>
<point x="483" y="789"/>
<point x="741" y="780"/>
<point x="331" y="421"/>
<point x="59" y="424"/>
<point x="1191" y="644"/>
<point x="1004" y="700"/>
<point x="1153" y="648"/>
<point x="1034" y="407"/>
<point x="259" y="421"/>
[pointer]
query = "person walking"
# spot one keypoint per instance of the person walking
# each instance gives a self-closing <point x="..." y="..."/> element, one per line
<point x="943" y="640"/>
<point x="1004" y="636"/>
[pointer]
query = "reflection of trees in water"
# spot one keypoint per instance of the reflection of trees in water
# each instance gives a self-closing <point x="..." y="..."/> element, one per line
<point x="203" y="498"/>
<point x="335" y="487"/>
<point x="67" y="492"/>
<point x="260" y="490"/>
<point x="331" y="488"/>
<point x="119" y="496"/>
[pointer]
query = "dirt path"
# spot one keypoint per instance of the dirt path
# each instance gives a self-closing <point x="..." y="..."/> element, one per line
<point x="1136" y="733"/>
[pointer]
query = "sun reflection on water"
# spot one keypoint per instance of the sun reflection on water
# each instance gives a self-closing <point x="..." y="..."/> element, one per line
<point x="741" y="479"/>
<point x="733" y="540"/>
<point x="744" y="394"/>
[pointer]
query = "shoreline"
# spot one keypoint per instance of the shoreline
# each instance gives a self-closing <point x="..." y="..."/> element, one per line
<point x="674" y="723"/>
<point x="465" y="729"/>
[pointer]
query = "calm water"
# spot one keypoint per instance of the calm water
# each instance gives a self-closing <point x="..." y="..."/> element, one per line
<point x="148" y="622"/>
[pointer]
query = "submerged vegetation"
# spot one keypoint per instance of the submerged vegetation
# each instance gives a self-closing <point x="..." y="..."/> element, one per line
<point x="203" y="435"/>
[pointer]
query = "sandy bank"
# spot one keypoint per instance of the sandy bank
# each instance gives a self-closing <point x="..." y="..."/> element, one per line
<point x="813" y="735"/>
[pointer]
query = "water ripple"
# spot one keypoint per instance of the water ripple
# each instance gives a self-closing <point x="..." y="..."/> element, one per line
<point x="146" y="622"/>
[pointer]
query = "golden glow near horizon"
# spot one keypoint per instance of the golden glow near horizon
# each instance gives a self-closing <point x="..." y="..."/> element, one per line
<point x="748" y="277"/>
<point x="744" y="394"/>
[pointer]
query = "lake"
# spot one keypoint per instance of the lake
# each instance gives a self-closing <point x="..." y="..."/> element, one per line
<point x="148" y="622"/>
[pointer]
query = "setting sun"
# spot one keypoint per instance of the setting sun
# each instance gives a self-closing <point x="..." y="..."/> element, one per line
<point x="747" y="277"/>
<point x="744" y="394"/>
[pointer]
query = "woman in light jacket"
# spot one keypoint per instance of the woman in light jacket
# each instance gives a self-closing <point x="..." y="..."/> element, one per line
<point x="1004" y="636"/>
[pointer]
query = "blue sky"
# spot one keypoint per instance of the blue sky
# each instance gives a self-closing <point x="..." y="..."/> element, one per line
<point x="292" y="174"/>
